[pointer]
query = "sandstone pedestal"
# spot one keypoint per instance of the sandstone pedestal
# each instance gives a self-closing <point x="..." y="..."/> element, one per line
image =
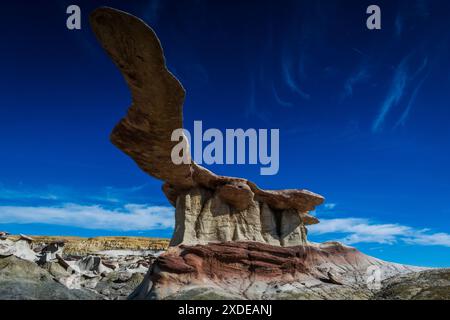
<point x="202" y="216"/>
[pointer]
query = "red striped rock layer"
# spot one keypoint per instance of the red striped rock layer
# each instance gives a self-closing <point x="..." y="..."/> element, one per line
<point x="253" y="270"/>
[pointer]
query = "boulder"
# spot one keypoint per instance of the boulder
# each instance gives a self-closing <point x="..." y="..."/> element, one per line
<point x="25" y="280"/>
<point x="20" y="248"/>
<point x="3" y="235"/>
<point x="118" y="285"/>
<point x="51" y="251"/>
<point x="89" y="266"/>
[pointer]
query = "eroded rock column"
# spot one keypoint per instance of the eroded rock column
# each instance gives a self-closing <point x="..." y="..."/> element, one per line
<point x="202" y="216"/>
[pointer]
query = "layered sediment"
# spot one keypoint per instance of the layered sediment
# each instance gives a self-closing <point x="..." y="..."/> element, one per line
<point x="250" y="270"/>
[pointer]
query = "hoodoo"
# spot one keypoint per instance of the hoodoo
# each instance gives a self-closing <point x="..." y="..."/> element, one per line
<point x="209" y="208"/>
<point x="232" y="239"/>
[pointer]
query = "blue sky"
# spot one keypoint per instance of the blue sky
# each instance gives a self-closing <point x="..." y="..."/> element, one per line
<point x="363" y="115"/>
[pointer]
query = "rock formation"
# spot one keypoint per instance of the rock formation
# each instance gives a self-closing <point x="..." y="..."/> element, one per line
<point x="233" y="270"/>
<point x="20" y="248"/>
<point x="209" y="208"/>
<point x="232" y="239"/>
<point x="3" y="235"/>
<point x="25" y="280"/>
<point x="251" y="270"/>
<point x="30" y="270"/>
<point x="431" y="284"/>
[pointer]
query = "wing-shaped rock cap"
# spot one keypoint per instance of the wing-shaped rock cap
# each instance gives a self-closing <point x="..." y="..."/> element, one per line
<point x="156" y="111"/>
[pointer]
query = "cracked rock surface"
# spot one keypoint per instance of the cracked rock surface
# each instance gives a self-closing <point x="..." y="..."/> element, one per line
<point x="426" y="285"/>
<point x="202" y="216"/>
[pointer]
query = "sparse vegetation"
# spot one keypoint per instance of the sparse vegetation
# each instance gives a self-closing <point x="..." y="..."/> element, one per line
<point x="79" y="245"/>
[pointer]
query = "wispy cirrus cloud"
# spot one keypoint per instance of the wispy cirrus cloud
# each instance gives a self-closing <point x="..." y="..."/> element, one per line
<point x="359" y="76"/>
<point x="289" y="79"/>
<point x="358" y="230"/>
<point x="20" y="194"/>
<point x="24" y="193"/>
<point x="404" y="86"/>
<point x="130" y="217"/>
<point x="278" y="98"/>
<point x="394" y="95"/>
<point x="408" y="108"/>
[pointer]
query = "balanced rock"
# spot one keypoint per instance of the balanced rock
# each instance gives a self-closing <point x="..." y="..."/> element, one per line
<point x="232" y="239"/>
<point x="209" y="208"/>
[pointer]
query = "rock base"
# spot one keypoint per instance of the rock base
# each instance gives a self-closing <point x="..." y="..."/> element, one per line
<point x="250" y="270"/>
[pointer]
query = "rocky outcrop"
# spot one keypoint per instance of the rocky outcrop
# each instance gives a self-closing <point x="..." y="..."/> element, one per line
<point x="251" y="270"/>
<point x="233" y="270"/>
<point x="209" y="207"/>
<point x="20" y="248"/>
<point x="3" y="235"/>
<point x="51" y="251"/>
<point x="25" y="280"/>
<point x="232" y="239"/>
<point x="431" y="284"/>
<point x="43" y="271"/>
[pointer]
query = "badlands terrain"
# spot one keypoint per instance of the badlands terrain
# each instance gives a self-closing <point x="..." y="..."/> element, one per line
<point x="117" y="268"/>
<point x="74" y="268"/>
<point x="232" y="238"/>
